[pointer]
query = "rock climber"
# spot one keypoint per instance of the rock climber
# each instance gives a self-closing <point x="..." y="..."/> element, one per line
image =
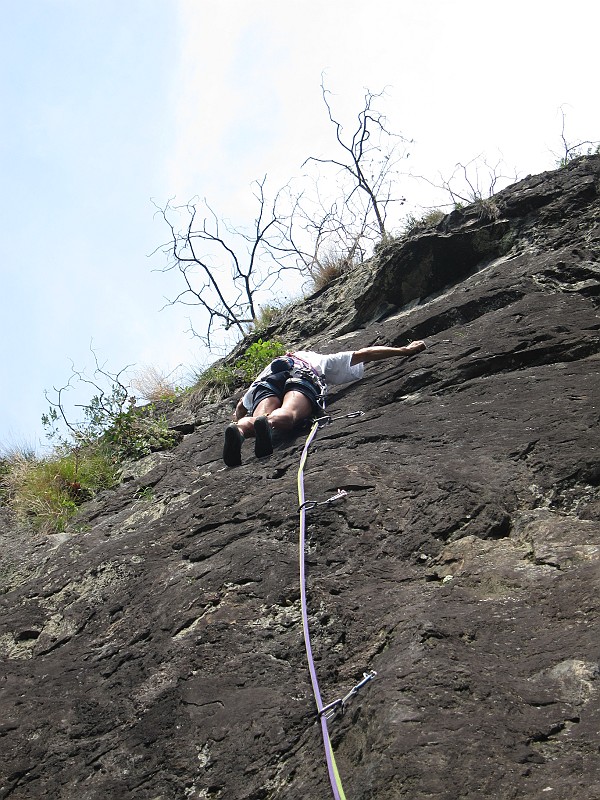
<point x="291" y="389"/>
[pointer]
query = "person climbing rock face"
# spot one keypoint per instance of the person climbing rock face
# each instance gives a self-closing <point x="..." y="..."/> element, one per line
<point x="291" y="389"/>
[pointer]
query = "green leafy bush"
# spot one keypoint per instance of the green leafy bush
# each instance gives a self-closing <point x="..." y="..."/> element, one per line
<point x="111" y="424"/>
<point x="257" y="356"/>
<point x="87" y="455"/>
<point x="136" y="433"/>
<point x="220" y="380"/>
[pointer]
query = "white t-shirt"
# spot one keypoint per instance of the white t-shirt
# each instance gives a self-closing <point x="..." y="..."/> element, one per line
<point x="334" y="368"/>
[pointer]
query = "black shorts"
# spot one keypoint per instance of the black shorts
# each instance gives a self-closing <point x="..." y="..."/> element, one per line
<point x="279" y="384"/>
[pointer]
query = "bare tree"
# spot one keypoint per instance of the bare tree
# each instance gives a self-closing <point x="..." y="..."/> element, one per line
<point x="370" y="155"/>
<point x="571" y="151"/>
<point x="224" y="269"/>
<point x="332" y="225"/>
<point x="318" y="233"/>
<point x="472" y="182"/>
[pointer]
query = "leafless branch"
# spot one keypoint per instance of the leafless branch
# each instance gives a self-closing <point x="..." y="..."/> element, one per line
<point x="111" y="400"/>
<point x="571" y="151"/>
<point x="473" y="182"/>
<point x="225" y="268"/>
<point x="370" y="155"/>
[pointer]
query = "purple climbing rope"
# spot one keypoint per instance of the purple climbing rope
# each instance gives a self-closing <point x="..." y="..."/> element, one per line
<point x="334" y="777"/>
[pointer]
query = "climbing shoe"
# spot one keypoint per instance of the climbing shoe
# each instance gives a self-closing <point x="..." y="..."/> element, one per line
<point x="232" y="449"/>
<point x="264" y="437"/>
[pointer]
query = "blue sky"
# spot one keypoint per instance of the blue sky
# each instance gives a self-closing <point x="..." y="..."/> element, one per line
<point x="107" y="105"/>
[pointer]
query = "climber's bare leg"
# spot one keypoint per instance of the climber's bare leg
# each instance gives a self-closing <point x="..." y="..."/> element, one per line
<point x="263" y="409"/>
<point x="295" y="408"/>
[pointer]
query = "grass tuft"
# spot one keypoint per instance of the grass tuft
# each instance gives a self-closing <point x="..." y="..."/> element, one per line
<point x="152" y="385"/>
<point x="330" y="267"/>
<point x="414" y="224"/>
<point x="47" y="491"/>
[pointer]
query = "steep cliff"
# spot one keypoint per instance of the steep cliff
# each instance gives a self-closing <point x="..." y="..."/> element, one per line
<point x="154" y="650"/>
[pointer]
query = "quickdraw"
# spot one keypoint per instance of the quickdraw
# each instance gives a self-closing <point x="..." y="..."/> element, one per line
<point x="308" y="504"/>
<point x="339" y="705"/>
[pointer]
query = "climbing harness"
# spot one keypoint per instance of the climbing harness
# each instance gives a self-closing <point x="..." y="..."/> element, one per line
<point x="324" y="712"/>
<point x="306" y="370"/>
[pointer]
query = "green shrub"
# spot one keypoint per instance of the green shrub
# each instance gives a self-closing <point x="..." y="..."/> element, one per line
<point x="216" y="382"/>
<point x="220" y="380"/>
<point x="87" y="455"/>
<point x="111" y="425"/>
<point x="136" y="433"/>
<point x="47" y="491"/>
<point x="257" y="357"/>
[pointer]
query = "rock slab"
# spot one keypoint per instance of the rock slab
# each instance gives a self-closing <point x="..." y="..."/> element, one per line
<point x="154" y="651"/>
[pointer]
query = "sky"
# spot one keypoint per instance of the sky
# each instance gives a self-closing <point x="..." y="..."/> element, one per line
<point x="112" y="108"/>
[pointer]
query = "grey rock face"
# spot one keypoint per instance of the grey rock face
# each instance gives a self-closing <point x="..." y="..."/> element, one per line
<point x="155" y="649"/>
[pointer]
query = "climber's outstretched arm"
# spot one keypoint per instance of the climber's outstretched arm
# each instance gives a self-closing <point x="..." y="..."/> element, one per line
<point x="367" y="354"/>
